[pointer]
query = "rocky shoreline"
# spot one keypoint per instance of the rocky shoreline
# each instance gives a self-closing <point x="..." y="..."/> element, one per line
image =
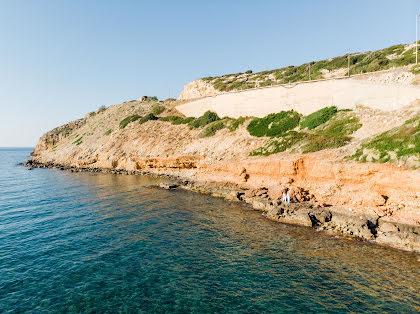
<point x="304" y="211"/>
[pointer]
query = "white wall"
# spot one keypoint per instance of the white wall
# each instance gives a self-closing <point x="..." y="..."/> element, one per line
<point x="305" y="98"/>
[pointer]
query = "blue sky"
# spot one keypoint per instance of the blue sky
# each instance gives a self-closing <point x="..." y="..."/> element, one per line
<point x="61" y="59"/>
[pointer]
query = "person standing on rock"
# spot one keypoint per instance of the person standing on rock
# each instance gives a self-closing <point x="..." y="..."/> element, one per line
<point x="286" y="196"/>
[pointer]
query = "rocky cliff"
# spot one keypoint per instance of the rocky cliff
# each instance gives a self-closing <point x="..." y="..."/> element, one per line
<point x="372" y="201"/>
<point x="197" y="89"/>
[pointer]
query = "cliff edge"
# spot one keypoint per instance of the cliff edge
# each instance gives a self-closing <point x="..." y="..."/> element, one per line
<point x="329" y="163"/>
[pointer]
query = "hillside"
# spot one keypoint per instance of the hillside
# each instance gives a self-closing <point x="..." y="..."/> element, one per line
<point x="366" y="62"/>
<point x="343" y="164"/>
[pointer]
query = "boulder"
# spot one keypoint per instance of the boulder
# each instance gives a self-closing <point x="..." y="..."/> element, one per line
<point x="276" y="192"/>
<point x="371" y="198"/>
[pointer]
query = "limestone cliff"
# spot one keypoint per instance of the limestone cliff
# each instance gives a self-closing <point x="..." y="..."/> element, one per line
<point x="370" y="201"/>
<point x="197" y="89"/>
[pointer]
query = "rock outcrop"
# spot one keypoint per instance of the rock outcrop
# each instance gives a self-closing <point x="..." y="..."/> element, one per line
<point x="197" y="89"/>
<point x="379" y="202"/>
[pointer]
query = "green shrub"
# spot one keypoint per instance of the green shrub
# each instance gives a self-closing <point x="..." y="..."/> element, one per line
<point x="332" y="134"/>
<point x="318" y="117"/>
<point x="335" y="133"/>
<point x="275" y="124"/>
<point x="234" y="124"/>
<point x="128" y="120"/>
<point x="157" y="109"/>
<point x="188" y="120"/>
<point x="176" y="120"/>
<point x="212" y="128"/>
<point x="148" y="117"/>
<point x="280" y="144"/>
<point x="205" y="119"/>
<point x="394" y="144"/>
<point x="172" y="119"/>
<point x="415" y="69"/>
<point x="108" y="132"/>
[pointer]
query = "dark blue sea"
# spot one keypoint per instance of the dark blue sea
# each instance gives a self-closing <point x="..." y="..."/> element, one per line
<point x="104" y="243"/>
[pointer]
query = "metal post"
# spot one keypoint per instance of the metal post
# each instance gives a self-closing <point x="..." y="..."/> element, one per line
<point x="309" y="71"/>
<point x="348" y="63"/>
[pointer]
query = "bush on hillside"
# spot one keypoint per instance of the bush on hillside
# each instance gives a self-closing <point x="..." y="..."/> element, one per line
<point x="334" y="133"/>
<point x="278" y="145"/>
<point x="128" y="120"/>
<point x="275" y="124"/>
<point x="234" y="124"/>
<point x="205" y="119"/>
<point x="392" y="145"/>
<point x="148" y="117"/>
<point x="176" y="120"/>
<point x="157" y="109"/>
<point x="318" y="117"/>
<point x="212" y="128"/>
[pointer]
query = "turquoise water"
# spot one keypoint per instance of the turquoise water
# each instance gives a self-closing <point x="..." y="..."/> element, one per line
<point x="83" y="242"/>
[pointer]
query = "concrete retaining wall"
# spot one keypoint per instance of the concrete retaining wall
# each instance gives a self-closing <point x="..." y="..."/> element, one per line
<point x="305" y="98"/>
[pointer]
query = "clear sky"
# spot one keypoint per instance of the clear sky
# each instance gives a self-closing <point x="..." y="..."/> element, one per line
<point x="61" y="59"/>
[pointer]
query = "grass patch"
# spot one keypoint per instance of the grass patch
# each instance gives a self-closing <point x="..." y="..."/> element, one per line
<point x="176" y="120"/>
<point x="78" y="140"/>
<point x="415" y="69"/>
<point x="128" y="120"/>
<point x="317" y="118"/>
<point x="205" y="119"/>
<point x="108" y="132"/>
<point x="212" y="128"/>
<point x="335" y="133"/>
<point x="234" y="124"/>
<point x="279" y="145"/>
<point x="383" y="59"/>
<point x="275" y="124"/>
<point x="332" y="134"/>
<point x="392" y="145"/>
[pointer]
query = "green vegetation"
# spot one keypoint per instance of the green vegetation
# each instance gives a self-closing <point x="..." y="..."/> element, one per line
<point x="212" y="128"/>
<point x="108" y="132"/>
<point x="335" y="133"/>
<point x="395" y="144"/>
<point x="318" y="117"/>
<point x="205" y="119"/>
<point x="279" y="145"/>
<point x="415" y="69"/>
<point x="176" y="120"/>
<point x="128" y="120"/>
<point x="78" y="141"/>
<point x="157" y="109"/>
<point x="395" y="56"/>
<point x="275" y="124"/>
<point x="332" y="134"/>
<point x="148" y="117"/>
<point x="235" y="123"/>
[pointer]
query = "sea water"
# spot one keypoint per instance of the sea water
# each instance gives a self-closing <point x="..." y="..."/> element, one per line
<point x="104" y="243"/>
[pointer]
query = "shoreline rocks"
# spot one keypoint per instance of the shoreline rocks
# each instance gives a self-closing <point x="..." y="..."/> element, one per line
<point x="304" y="209"/>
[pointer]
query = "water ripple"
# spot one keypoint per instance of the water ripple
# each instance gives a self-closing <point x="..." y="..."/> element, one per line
<point x="80" y="242"/>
